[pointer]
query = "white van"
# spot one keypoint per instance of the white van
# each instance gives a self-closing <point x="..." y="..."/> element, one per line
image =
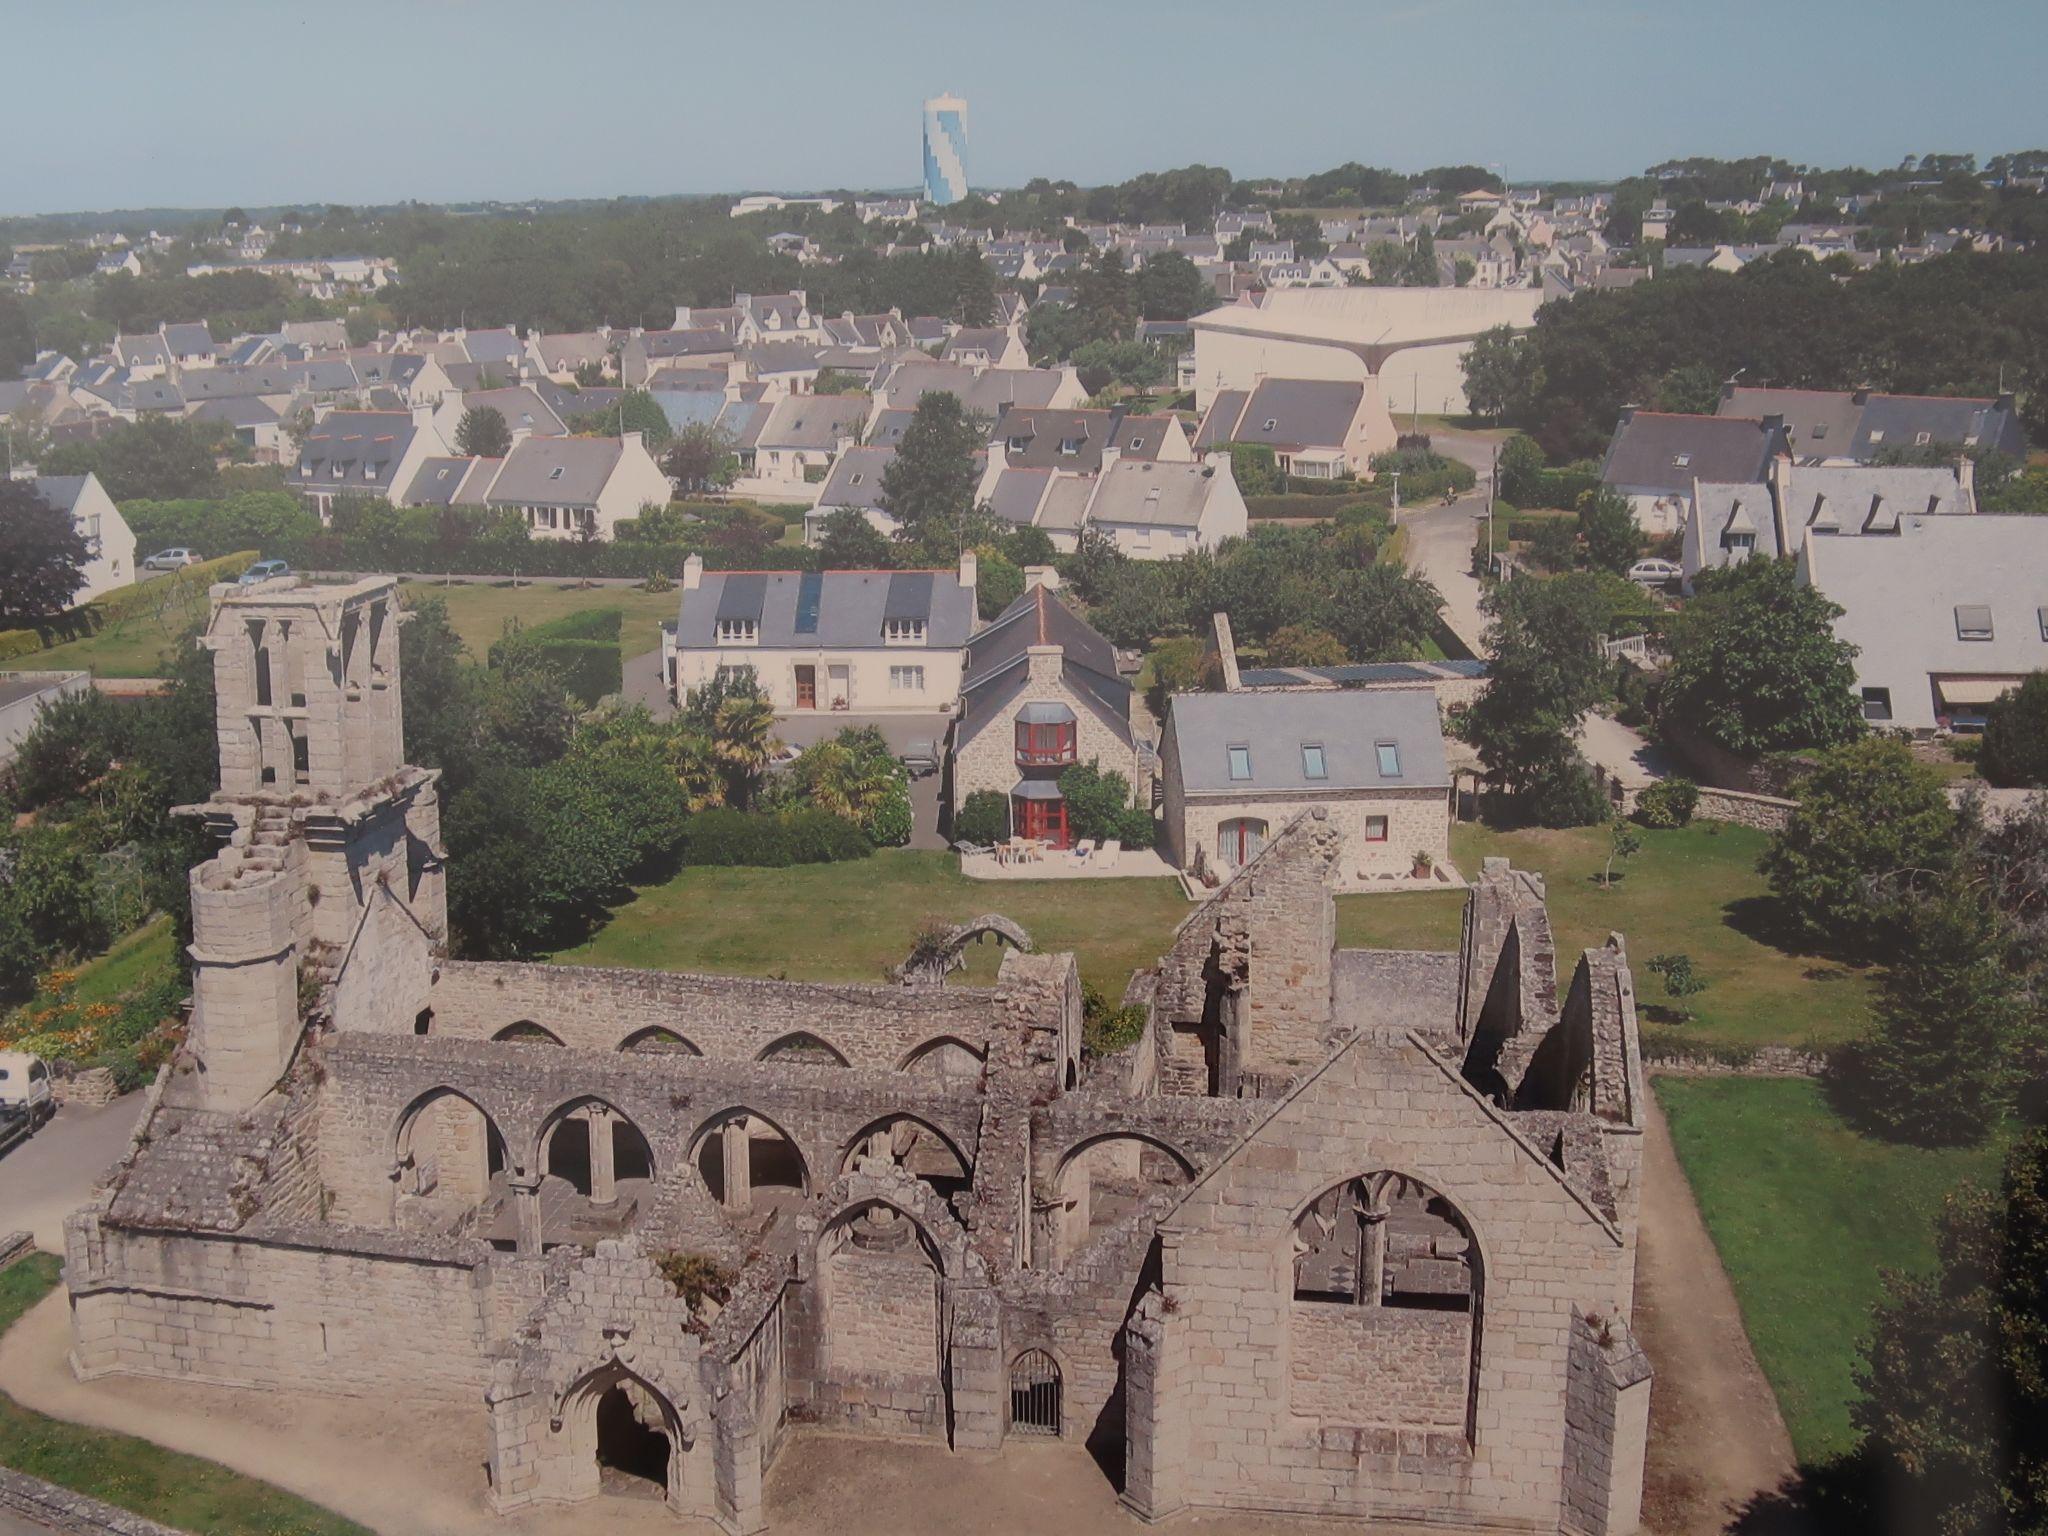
<point x="25" y="1084"/>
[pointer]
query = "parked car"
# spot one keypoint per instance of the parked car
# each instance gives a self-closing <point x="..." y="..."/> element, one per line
<point x="1655" y="573"/>
<point x="25" y="1085"/>
<point x="921" y="758"/>
<point x="171" y="560"/>
<point x="264" y="570"/>
<point x="15" y="1125"/>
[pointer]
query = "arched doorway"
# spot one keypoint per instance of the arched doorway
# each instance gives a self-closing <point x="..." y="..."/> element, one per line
<point x="1035" y="1394"/>
<point x="633" y="1449"/>
<point x="598" y="1168"/>
<point x="914" y="1146"/>
<point x="446" y="1152"/>
<point x="1101" y="1182"/>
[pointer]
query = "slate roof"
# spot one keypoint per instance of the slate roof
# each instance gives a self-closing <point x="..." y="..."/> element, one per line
<point x="354" y="440"/>
<point x="61" y="492"/>
<point x="1860" y="425"/>
<point x="997" y="664"/>
<point x="189" y="340"/>
<point x="856" y="478"/>
<point x="520" y="407"/>
<point x="815" y="422"/>
<point x="237" y="411"/>
<point x="530" y="479"/>
<point x="1658" y="452"/>
<point x="1017" y="493"/>
<point x="1305" y="413"/>
<point x="1151" y="492"/>
<point x="851" y="607"/>
<point x="1347" y="723"/>
<point x="1820" y="422"/>
<point x="451" y="482"/>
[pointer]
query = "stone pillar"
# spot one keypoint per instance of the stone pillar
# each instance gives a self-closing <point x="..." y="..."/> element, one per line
<point x="736" y="1459"/>
<point x="1155" y="1423"/>
<point x="604" y="1189"/>
<point x="526" y="1203"/>
<point x="739" y="1166"/>
<point x="975" y="1363"/>
<point x="1372" y="1255"/>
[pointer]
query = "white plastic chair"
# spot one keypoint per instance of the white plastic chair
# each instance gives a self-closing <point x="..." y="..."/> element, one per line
<point x="1110" y="851"/>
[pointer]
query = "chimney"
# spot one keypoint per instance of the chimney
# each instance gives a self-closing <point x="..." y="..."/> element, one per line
<point x="968" y="564"/>
<point x="1966" y="484"/>
<point x="1046" y="576"/>
<point x="630" y="439"/>
<point x="693" y="573"/>
<point x="422" y="415"/>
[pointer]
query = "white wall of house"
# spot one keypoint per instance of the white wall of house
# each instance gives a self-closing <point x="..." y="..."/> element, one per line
<point x="866" y="680"/>
<point x="108" y="535"/>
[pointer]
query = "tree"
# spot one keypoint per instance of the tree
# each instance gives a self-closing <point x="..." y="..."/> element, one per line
<point x="1933" y="1070"/>
<point x="1624" y="842"/>
<point x="1869" y="820"/>
<point x="1500" y="384"/>
<point x="1383" y="612"/>
<point x="2016" y="736"/>
<point x="636" y="411"/>
<point x="1756" y="666"/>
<point x="159" y="458"/>
<point x="1170" y="287"/>
<point x="1105" y="299"/>
<point x="1681" y="978"/>
<point x="1608" y="525"/>
<point x="42" y="556"/>
<point x="1953" y="1392"/>
<point x="928" y="487"/>
<point x="482" y="433"/>
<point x="17" y="341"/>
<point x="1545" y="672"/>
<point x="701" y="457"/>
<point x="852" y="543"/>
<point x="998" y="582"/>
<point x="1520" y="470"/>
<point x="743" y="741"/>
<point x="1298" y="645"/>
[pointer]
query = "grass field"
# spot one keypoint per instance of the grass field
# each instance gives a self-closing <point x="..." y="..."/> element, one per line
<point x="137" y="959"/>
<point x="845" y="922"/>
<point x="1805" y="1212"/>
<point x="183" y="1491"/>
<point x="1694" y="889"/>
<point x="130" y="647"/>
<point x="478" y="610"/>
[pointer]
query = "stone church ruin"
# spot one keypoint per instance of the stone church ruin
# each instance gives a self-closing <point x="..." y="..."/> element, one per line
<point x="1346" y="1233"/>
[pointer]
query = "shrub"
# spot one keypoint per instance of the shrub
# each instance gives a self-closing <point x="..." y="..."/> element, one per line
<point x="582" y="647"/>
<point x="1668" y="803"/>
<point x="1107" y="1027"/>
<point x="722" y="836"/>
<point x="2015" y="751"/>
<point x="1565" y="795"/>
<point x="1099" y="805"/>
<point x="984" y="818"/>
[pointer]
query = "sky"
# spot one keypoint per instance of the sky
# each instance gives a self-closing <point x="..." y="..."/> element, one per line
<point x="209" y="103"/>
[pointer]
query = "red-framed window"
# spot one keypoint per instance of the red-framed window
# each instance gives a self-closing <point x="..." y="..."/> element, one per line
<point x="1375" y="829"/>
<point x="1239" y="839"/>
<point x="1045" y="745"/>
<point x="1045" y="819"/>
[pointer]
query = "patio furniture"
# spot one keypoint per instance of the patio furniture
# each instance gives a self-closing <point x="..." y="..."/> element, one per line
<point x="973" y="850"/>
<point x="1111" y="850"/>
<point x="1083" y="849"/>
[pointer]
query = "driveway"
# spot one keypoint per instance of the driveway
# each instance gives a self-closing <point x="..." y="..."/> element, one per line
<point x="901" y="732"/>
<point x="1440" y="537"/>
<point x="51" y="1174"/>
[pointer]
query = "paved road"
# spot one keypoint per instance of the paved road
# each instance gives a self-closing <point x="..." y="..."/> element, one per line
<point x="1440" y="537"/>
<point x="51" y="1174"/>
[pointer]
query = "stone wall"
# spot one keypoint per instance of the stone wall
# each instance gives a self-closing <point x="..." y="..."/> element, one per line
<point x="59" y="1509"/>
<point x="1215" y="1421"/>
<point x="882" y="1313"/>
<point x="725" y="1017"/>
<point x="1418" y="821"/>
<point x="1387" y="1367"/>
<point x="1766" y="813"/>
<point x="1607" y="1426"/>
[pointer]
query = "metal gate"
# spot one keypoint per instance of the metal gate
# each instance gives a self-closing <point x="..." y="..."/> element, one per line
<point x="1035" y="1394"/>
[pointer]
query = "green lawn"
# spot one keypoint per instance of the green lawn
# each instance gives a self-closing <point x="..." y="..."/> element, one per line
<point x="478" y="610"/>
<point x="130" y="647"/>
<point x="845" y="922"/>
<point x="1694" y="889"/>
<point x="184" y="1491"/>
<point x="1805" y="1213"/>
<point x="133" y="961"/>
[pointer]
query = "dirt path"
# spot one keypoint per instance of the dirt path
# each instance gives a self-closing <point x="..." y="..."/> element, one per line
<point x="1716" y="1438"/>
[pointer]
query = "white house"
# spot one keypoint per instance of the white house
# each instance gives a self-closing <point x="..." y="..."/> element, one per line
<point x="369" y="454"/>
<point x="564" y="485"/>
<point x="99" y="521"/>
<point x="860" y="642"/>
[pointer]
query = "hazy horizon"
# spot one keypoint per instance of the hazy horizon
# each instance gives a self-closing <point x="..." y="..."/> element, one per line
<point x="252" y="104"/>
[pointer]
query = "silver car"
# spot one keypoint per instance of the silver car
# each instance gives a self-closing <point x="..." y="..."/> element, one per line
<point x="171" y="560"/>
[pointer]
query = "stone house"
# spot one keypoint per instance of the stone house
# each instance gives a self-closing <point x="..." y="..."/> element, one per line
<point x="1238" y="767"/>
<point x="861" y="642"/>
<point x="1345" y="1233"/>
<point x="1039" y="692"/>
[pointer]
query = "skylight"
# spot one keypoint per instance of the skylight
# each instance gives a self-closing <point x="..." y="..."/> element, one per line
<point x="1313" y="765"/>
<point x="1389" y="754"/>
<point x="1240" y="762"/>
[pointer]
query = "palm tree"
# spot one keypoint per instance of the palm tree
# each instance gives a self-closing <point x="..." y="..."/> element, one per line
<point x="846" y="783"/>
<point x="743" y="740"/>
<point x="697" y="768"/>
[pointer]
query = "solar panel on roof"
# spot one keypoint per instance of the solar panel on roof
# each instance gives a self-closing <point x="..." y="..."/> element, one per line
<point x="808" y="590"/>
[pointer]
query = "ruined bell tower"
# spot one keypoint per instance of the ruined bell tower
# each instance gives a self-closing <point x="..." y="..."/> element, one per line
<point x="323" y="828"/>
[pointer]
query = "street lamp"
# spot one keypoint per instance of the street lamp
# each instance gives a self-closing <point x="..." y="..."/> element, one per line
<point x="1397" y="491"/>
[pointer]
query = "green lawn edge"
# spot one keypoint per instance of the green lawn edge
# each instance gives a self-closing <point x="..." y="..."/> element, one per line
<point x="188" y="1492"/>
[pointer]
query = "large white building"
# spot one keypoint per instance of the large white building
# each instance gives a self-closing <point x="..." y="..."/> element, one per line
<point x="1407" y="343"/>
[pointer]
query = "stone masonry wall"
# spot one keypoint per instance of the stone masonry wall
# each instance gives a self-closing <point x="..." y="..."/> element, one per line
<point x="882" y="1314"/>
<point x="1225" y="1429"/>
<point x="1418" y="821"/>
<point x="727" y="1017"/>
<point x="989" y="761"/>
<point x="1394" y="1367"/>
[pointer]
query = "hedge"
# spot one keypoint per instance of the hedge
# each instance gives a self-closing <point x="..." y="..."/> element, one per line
<point x="541" y="557"/>
<point x="583" y="647"/>
<point x="1299" y="505"/>
<point x="123" y="602"/>
<point x="722" y="836"/>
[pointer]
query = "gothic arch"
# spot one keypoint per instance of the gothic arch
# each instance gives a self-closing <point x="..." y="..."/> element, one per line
<point x="940" y="1050"/>
<point x="632" y="1149"/>
<point x="893" y="1122"/>
<point x="780" y="1163"/>
<point x="655" y="1040"/>
<point x="804" y="1048"/>
<point x="526" y="1032"/>
<point x="446" y="1145"/>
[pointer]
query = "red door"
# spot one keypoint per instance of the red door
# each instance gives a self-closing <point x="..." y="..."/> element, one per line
<point x="1045" y="819"/>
